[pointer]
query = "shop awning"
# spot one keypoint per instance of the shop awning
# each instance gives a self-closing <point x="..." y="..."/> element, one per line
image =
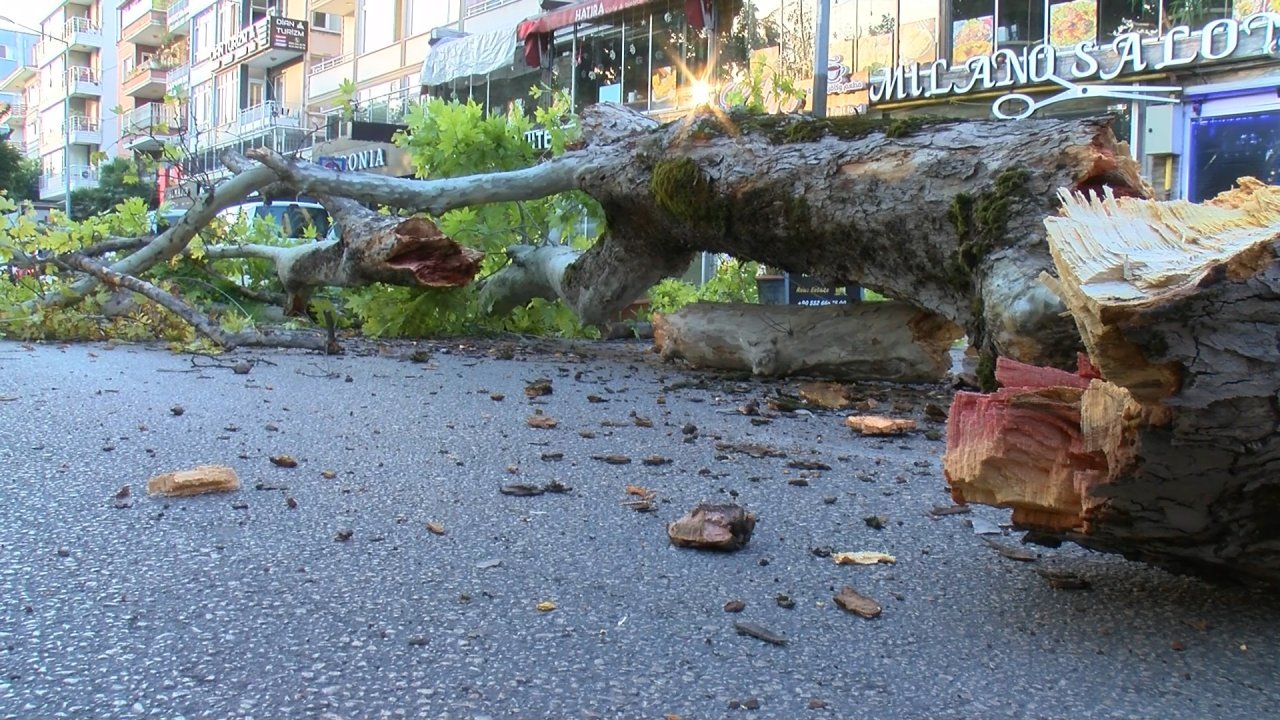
<point x="578" y="12"/>
<point x="591" y="10"/>
<point x="478" y="54"/>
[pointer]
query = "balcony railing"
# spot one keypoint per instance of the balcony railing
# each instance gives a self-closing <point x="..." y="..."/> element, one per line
<point x="80" y="25"/>
<point x="53" y="184"/>
<point x="79" y="73"/>
<point x="83" y="123"/>
<point x="475" y="7"/>
<point x="138" y="8"/>
<point x="179" y="13"/>
<point x="329" y="63"/>
<point x="156" y="118"/>
<point x="268" y="114"/>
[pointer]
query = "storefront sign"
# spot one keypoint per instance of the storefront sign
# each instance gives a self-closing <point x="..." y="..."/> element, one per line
<point x="1224" y="39"/>
<point x="589" y="11"/>
<point x="345" y="155"/>
<point x="810" y="291"/>
<point x="356" y="161"/>
<point x="273" y="33"/>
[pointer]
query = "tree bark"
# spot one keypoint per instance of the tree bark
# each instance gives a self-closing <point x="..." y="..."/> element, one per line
<point x="861" y="341"/>
<point x="1170" y="455"/>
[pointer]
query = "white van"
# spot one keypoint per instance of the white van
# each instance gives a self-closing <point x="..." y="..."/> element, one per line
<point x="291" y="217"/>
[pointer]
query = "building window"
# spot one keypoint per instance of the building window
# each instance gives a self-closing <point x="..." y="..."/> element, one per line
<point x="379" y="27"/>
<point x="326" y="21"/>
<point x="6" y="52"/>
<point x="427" y="15"/>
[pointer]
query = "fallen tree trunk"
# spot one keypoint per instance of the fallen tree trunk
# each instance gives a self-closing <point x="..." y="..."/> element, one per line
<point x="946" y="216"/>
<point x="860" y="341"/>
<point x="1170" y="455"/>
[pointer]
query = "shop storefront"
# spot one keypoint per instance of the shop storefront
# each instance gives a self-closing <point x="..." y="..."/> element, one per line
<point x="1197" y="102"/>
<point x="379" y="158"/>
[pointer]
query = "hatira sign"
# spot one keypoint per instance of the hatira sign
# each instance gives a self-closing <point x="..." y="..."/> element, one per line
<point x="1130" y="53"/>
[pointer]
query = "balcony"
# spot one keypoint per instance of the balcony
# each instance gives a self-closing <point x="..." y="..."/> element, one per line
<point x="179" y="78"/>
<point x="82" y="34"/>
<point x="84" y="82"/>
<point x="476" y="7"/>
<point x="178" y="17"/>
<point x="334" y="7"/>
<point x="84" y="131"/>
<point x="17" y="115"/>
<point x="326" y="76"/>
<point x="22" y="73"/>
<point x="145" y="23"/>
<point x="144" y="80"/>
<point x="53" y="186"/>
<point x="148" y="127"/>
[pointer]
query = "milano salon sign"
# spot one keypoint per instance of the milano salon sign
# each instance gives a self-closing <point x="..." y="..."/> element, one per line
<point x="1130" y="53"/>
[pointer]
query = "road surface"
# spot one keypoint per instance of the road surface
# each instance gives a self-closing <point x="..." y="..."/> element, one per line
<point x="245" y="605"/>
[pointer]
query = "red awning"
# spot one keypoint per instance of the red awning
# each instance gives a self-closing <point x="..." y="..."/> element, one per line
<point x="585" y="11"/>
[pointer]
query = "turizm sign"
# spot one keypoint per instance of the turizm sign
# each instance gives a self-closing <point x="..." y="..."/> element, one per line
<point x="1046" y="64"/>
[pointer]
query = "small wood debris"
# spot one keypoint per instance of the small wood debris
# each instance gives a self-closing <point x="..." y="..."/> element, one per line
<point x="435" y="528"/>
<point x="826" y="395"/>
<point x="864" y="557"/>
<point x="735" y="606"/>
<point x="596" y="399"/>
<point x="1011" y="552"/>
<point x="645" y="500"/>
<point x="876" y="522"/>
<point x="656" y="460"/>
<point x="497" y="397"/>
<point x="857" y="603"/>
<point x="613" y="459"/>
<point x="197" y="481"/>
<point x="784" y="601"/>
<point x="1063" y="579"/>
<point x="344" y="534"/>
<point x="945" y="510"/>
<point x="545" y="606"/>
<point x="291" y="503"/>
<point x="538" y="388"/>
<point x="808" y="465"/>
<point x="879" y="425"/>
<point x="935" y="412"/>
<point x="710" y="526"/>
<point x="552" y="456"/>
<point x="177" y="410"/>
<point x="520" y="490"/>
<point x="540" y="421"/>
<point x="641" y="421"/>
<point x="755" y="450"/>
<point x="760" y="633"/>
<point x="284" y="461"/>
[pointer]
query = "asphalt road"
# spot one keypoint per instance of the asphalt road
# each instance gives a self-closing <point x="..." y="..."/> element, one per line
<point x="244" y="605"/>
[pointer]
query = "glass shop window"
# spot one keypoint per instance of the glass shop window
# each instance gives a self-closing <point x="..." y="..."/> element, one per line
<point x="635" y="64"/>
<point x="1224" y="149"/>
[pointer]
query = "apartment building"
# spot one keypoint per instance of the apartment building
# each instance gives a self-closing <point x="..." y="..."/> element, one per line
<point x="17" y="57"/>
<point x="63" y="94"/>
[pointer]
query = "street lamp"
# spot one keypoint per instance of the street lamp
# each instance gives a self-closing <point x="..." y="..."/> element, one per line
<point x="66" y="106"/>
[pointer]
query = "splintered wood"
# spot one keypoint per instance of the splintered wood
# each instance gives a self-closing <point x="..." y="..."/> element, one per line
<point x="1162" y="445"/>
<point x="197" y="481"/>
